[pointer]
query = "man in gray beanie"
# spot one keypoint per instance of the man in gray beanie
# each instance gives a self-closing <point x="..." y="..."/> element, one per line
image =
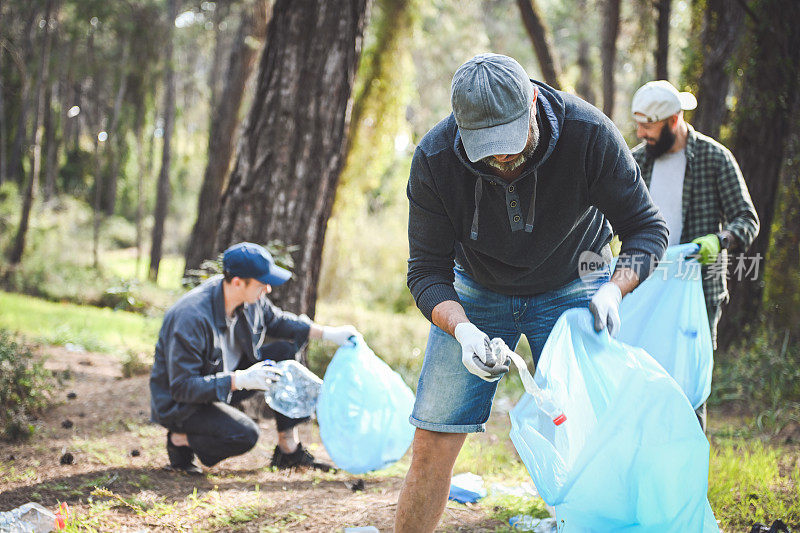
<point x="507" y="196"/>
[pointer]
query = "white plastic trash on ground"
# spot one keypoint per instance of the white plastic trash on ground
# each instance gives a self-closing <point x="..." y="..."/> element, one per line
<point x="466" y="488"/>
<point x="631" y="455"/>
<point x="537" y="525"/>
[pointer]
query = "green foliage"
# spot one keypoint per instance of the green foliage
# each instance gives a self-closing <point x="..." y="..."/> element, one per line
<point x="122" y="296"/>
<point x="75" y="173"/>
<point x="782" y="266"/>
<point x="693" y="51"/>
<point x="25" y="388"/>
<point x="370" y="195"/>
<point x="52" y="269"/>
<point x="135" y="364"/>
<point x="504" y="507"/>
<point x="101" y="330"/>
<point x="280" y="251"/>
<point x="763" y="376"/>
<point x="750" y="482"/>
<point x="398" y="339"/>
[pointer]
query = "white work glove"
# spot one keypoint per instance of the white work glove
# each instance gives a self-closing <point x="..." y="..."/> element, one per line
<point x="605" y="308"/>
<point x="258" y="377"/>
<point x="341" y="335"/>
<point x="476" y="354"/>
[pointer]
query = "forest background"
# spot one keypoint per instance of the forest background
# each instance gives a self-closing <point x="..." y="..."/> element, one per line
<point x="139" y="138"/>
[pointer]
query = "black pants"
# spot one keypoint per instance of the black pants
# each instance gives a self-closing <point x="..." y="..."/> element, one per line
<point x="217" y="431"/>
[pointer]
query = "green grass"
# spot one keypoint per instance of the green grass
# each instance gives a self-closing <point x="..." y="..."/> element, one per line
<point x="122" y="264"/>
<point x="750" y="482"/>
<point x="96" y="329"/>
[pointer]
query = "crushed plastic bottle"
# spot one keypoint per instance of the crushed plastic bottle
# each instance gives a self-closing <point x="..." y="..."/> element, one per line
<point x="295" y="394"/>
<point x="32" y="518"/>
<point x="544" y="398"/>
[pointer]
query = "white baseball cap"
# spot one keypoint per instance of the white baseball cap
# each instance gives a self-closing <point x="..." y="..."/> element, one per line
<point x="659" y="100"/>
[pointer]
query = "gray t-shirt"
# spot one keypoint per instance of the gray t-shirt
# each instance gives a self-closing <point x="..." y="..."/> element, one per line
<point x="666" y="189"/>
<point x="231" y="355"/>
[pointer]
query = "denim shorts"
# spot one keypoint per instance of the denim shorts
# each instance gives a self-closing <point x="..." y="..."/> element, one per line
<point x="452" y="400"/>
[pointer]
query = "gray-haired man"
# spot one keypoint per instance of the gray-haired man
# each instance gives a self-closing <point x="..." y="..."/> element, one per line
<point x="505" y="194"/>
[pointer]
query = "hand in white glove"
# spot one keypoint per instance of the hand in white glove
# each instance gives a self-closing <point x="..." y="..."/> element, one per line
<point x="341" y="335"/>
<point x="258" y="377"/>
<point x="476" y="354"/>
<point x="605" y="308"/>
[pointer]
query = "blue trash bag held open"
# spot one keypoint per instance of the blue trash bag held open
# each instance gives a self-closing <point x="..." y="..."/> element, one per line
<point x="363" y="411"/>
<point x="630" y="455"/>
<point x="666" y="316"/>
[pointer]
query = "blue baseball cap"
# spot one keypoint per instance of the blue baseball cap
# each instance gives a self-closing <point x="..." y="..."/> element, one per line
<point x="248" y="260"/>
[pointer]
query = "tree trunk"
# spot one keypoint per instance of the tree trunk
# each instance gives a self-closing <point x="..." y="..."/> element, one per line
<point x="20" y="145"/>
<point x="783" y="261"/>
<point x="50" y="144"/>
<point x="215" y="72"/>
<point x="664" y="8"/>
<point x="585" y="86"/>
<point x="542" y="43"/>
<point x="224" y="123"/>
<point x="98" y="199"/>
<point x="140" y="195"/>
<point x="720" y="37"/>
<point x="608" y="52"/>
<point x="293" y="147"/>
<point x="762" y="125"/>
<point x="116" y="137"/>
<point x="63" y="106"/>
<point x="3" y="127"/>
<point x="163" y="191"/>
<point x="33" y="179"/>
<point x="394" y="24"/>
<point x="96" y="122"/>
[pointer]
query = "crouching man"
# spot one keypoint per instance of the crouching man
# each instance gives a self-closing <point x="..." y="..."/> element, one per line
<point x="211" y="354"/>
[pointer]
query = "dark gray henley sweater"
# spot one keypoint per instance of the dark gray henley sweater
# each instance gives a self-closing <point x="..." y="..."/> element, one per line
<point x="525" y="237"/>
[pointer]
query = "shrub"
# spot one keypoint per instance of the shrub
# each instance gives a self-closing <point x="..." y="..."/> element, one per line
<point x="135" y="365"/>
<point x="25" y="388"/>
<point x="123" y="295"/>
<point x="762" y="376"/>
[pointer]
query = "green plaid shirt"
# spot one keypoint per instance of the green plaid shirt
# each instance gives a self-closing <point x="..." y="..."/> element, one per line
<point x="715" y="197"/>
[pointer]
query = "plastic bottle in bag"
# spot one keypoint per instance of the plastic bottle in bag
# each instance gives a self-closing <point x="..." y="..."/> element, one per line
<point x="295" y="393"/>
<point x="30" y="518"/>
<point x="544" y="398"/>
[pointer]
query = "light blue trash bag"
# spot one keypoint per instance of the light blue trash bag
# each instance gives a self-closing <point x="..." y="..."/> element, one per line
<point x="363" y="411"/>
<point x="630" y="456"/>
<point x="666" y="315"/>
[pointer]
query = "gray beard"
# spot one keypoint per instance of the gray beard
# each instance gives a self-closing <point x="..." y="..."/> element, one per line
<point x="527" y="152"/>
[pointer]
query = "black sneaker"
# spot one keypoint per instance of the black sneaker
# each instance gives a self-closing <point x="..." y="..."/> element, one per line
<point x="181" y="458"/>
<point x="300" y="458"/>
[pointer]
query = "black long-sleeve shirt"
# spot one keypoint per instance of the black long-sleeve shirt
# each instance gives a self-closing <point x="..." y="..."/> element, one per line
<point x="582" y="182"/>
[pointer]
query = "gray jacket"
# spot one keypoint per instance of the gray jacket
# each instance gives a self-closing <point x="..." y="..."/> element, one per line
<point x="187" y="370"/>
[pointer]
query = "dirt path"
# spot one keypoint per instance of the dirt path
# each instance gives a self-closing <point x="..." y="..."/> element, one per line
<point x="106" y="429"/>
